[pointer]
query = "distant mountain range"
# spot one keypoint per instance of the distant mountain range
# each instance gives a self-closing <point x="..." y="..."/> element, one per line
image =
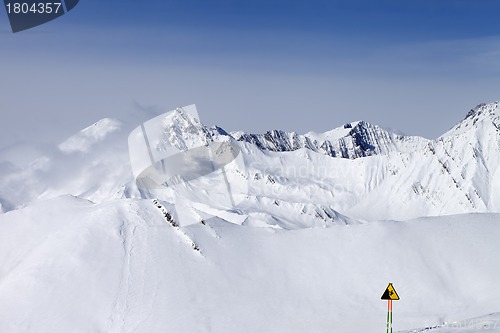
<point x="358" y="170"/>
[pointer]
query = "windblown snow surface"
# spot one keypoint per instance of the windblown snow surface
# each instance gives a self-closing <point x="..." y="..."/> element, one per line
<point x="321" y="223"/>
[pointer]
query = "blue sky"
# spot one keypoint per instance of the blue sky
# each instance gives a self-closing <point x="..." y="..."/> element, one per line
<point x="417" y="66"/>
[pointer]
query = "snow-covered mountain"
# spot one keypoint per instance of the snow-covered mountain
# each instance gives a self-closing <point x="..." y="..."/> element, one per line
<point x="353" y="140"/>
<point x="307" y="242"/>
<point x="359" y="169"/>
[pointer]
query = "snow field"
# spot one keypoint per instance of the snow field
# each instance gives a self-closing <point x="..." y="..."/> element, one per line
<point x="120" y="267"/>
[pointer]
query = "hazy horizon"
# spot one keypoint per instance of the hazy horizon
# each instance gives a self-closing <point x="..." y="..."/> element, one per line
<point x="417" y="67"/>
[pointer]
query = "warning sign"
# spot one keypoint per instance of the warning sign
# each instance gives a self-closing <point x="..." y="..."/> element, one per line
<point x="390" y="293"/>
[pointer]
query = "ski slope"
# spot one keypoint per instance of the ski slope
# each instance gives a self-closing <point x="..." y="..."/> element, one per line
<point x="68" y="265"/>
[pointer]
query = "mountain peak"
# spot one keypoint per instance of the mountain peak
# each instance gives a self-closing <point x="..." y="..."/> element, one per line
<point x="484" y="117"/>
<point x="483" y="109"/>
<point x="86" y="138"/>
<point x="181" y="129"/>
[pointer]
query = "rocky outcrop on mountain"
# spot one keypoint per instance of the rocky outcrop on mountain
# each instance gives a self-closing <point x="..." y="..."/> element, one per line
<point x="357" y="140"/>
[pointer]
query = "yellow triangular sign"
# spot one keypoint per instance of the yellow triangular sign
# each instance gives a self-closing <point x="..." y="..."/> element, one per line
<point x="390" y="293"/>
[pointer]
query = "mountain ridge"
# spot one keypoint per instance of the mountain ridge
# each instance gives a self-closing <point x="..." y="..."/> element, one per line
<point x="361" y="140"/>
<point x="363" y="163"/>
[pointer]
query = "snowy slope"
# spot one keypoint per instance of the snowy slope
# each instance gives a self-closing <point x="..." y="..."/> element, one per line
<point x="67" y="265"/>
<point x="487" y="323"/>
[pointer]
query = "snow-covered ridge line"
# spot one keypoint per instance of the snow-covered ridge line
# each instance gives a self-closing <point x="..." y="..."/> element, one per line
<point x="361" y="139"/>
<point x="353" y="140"/>
<point x="169" y="219"/>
